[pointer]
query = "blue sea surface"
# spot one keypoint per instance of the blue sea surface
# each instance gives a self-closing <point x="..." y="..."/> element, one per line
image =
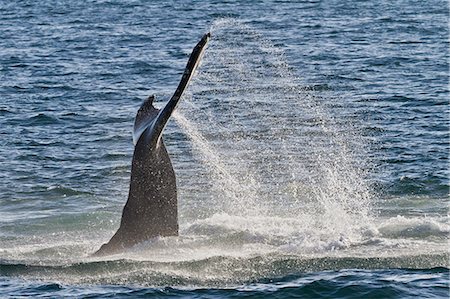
<point x="311" y="149"/>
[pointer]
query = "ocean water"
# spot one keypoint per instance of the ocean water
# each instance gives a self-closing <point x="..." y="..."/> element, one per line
<point x="311" y="149"/>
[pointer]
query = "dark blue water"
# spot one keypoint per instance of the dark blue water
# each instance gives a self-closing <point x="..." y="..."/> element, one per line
<point x="335" y="284"/>
<point x="311" y="150"/>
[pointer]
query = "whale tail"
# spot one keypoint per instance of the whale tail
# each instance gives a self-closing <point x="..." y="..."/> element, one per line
<point x="153" y="120"/>
<point x="151" y="209"/>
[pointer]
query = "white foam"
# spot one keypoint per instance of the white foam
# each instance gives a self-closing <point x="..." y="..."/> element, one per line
<point x="417" y="227"/>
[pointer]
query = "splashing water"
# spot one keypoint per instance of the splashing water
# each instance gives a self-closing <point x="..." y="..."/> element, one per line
<point x="269" y="147"/>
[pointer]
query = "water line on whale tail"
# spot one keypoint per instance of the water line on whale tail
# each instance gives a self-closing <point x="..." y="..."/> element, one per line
<point x="285" y="151"/>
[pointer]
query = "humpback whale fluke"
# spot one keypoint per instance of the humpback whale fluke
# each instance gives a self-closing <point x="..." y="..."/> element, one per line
<point x="151" y="209"/>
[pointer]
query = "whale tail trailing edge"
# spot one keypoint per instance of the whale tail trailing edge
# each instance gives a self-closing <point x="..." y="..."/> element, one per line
<point x="189" y="71"/>
<point x="151" y="209"/>
<point x="148" y="117"/>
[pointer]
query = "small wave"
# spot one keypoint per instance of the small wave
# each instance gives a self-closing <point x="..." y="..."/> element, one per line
<point x="318" y="87"/>
<point x="42" y="119"/>
<point x="403" y="227"/>
<point x="398" y="99"/>
<point x="115" y="156"/>
<point x="16" y="87"/>
<point x="64" y="191"/>
<point x="214" y="271"/>
<point x="427" y="185"/>
<point x="4" y="111"/>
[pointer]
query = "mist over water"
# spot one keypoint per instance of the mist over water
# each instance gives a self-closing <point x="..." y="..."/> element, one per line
<point x="268" y="146"/>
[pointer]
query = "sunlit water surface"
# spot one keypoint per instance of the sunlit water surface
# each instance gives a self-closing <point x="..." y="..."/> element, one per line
<point x="311" y="148"/>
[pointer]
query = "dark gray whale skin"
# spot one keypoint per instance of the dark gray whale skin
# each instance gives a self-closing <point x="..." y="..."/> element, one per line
<point x="151" y="209"/>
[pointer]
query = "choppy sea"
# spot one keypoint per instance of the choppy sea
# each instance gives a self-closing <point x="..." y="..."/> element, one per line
<point x="311" y="149"/>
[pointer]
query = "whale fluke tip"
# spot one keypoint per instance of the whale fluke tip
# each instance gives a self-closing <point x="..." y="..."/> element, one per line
<point x="206" y="37"/>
